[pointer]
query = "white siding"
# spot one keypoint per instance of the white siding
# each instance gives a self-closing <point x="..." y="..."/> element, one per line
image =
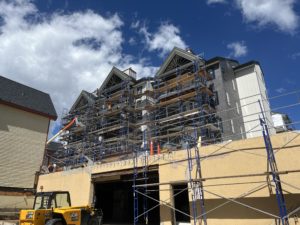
<point x="22" y="138"/>
<point x="265" y="102"/>
<point x="228" y="99"/>
<point x="251" y="89"/>
<point x="278" y="120"/>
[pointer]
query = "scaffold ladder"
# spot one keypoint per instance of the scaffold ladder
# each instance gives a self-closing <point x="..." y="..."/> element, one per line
<point x="191" y="142"/>
<point x="274" y="170"/>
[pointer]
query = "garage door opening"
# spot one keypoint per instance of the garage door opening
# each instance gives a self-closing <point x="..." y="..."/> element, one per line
<point x="115" y="198"/>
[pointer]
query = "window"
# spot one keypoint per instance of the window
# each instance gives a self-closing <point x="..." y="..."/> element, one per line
<point x="242" y="133"/>
<point x="233" y="84"/>
<point x="139" y="90"/>
<point x="216" y="98"/>
<point x="228" y="99"/>
<point x="211" y="87"/>
<point x="211" y="72"/>
<point x="41" y="202"/>
<point x="38" y="202"/>
<point x="232" y="126"/>
<point x="220" y="124"/>
<point x="222" y="69"/>
<point x="62" y="200"/>
<point x="237" y="108"/>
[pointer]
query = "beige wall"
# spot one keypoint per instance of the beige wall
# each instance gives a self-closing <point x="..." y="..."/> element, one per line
<point x="22" y="138"/>
<point x="245" y="157"/>
<point x="77" y="182"/>
<point x="16" y="202"/>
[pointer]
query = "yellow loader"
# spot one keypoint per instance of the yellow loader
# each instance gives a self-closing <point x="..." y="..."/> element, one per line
<point x="54" y="208"/>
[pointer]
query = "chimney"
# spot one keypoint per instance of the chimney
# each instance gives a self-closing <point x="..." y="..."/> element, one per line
<point x="130" y="72"/>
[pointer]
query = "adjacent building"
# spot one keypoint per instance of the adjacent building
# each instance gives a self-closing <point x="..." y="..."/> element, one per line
<point x="25" y="114"/>
<point x="241" y="96"/>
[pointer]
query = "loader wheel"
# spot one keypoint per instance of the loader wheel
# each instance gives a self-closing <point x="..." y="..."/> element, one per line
<point x="54" y="222"/>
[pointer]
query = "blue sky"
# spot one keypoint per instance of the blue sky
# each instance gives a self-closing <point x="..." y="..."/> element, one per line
<point x="62" y="47"/>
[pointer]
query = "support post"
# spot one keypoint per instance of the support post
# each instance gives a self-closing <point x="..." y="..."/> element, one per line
<point x="274" y="170"/>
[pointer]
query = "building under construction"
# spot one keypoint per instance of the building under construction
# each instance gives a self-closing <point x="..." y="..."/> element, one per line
<point x="147" y="115"/>
<point x="158" y="150"/>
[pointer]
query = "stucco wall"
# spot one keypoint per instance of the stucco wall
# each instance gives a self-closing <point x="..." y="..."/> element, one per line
<point x="77" y="182"/>
<point x="237" y="158"/>
<point x="245" y="158"/>
<point x="22" y="138"/>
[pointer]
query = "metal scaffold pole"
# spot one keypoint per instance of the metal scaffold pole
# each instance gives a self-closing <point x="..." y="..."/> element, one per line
<point x="274" y="170"/>
<point x="191" y="142"/>
<point x="199" y="194"/>
<point x="135" y="194"/>
<point x="145" y="176"/>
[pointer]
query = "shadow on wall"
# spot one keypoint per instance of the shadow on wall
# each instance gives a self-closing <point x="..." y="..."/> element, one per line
<point x="11" y="117"/>
<point x="234" y="211"/>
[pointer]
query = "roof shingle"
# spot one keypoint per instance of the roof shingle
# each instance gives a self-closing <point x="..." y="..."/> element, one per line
<point x="27" y="98"/>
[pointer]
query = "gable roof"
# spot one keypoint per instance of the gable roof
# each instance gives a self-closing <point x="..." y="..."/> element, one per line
<point x="117" y="72"/>
<point x="176" y="52"/>
<point x="26" y="98"/>
<point x="90" y="98"/>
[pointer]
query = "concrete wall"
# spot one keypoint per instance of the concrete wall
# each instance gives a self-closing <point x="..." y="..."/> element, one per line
<point x="244" y="163"/>
<point x="22" y="137"/>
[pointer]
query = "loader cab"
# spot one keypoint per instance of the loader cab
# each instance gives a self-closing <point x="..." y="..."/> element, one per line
<point x="48" y="200"/>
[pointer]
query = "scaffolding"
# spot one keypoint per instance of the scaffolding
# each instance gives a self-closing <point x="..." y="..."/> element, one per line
<point x="134" y="119"/>
<point x="182" y="118"/>
<point x="274" y="170"/>
<point x="128" y="115"/>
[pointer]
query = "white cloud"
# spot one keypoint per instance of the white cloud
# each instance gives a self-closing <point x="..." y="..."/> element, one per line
<point x="209" y="2"/>
<point x="164" y="40"/>
<point x="280" y="90"/>
<point x="132" y="41"/>
<point x="61" y="54"/>
<point x="135" y="24"/>
<point x="274" y="12"/>
<point x="238" y="49"/>
<point x="295" y="55"/>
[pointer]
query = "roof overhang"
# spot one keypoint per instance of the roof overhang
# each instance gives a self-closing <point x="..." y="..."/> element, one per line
<point x="28" y="109"/>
